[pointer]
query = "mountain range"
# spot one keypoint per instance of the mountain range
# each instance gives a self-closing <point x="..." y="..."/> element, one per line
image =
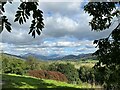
<point x="55" y="56"/>
<point x="60" y="57"/>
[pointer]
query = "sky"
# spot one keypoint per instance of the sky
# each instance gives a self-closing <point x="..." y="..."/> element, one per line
<point x="66" y="31"/>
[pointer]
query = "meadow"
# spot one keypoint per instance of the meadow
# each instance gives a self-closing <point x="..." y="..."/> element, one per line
<point x="78" y="63"/>
<point x="19" y="81"/>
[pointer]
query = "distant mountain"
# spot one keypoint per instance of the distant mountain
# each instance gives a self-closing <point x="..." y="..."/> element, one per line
<point x="70" y="57"/>
<point x="60" y="57"/>
<point x="80" y="56"/>
<point x="34" y="55"/>
<point x="87" y="56"/>
<point x="55" y="56"/>
<point x="42" y="57"/>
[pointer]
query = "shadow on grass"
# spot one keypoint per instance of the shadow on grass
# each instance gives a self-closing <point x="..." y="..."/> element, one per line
<point x="17" y="81"/>
<point x="14" y="82"/>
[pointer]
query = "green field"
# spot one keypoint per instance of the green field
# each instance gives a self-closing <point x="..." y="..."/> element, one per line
<point x="78" y="63"/>
<point x="18" y="81"/>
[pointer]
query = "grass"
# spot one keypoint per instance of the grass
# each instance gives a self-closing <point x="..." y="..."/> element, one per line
<point x="88" y="63"/>
<point x="18" y="81"/>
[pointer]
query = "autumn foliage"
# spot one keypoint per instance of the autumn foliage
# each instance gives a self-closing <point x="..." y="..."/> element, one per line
<point x="48" y="75"/>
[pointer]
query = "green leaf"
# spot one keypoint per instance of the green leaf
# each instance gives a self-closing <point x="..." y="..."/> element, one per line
<point x="21" y="20"/>
<point x="26" y="16"/>
<point x="30" y="31"/>
<point x="33" y="33"/>
<point x="24" y="19"/>
<point x="8" y="27"/>
<point x="16" y="19"/>
<point x="95" y="42"/>
<point x="38" y="32"/>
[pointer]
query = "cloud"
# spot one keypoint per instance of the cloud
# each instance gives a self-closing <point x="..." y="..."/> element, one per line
<point x="63" y="46"/>
<point x="67" y="19"/>
<point x="58" y="24"/>
<point x="66" y="31"/>
<point x="64" y="8"/>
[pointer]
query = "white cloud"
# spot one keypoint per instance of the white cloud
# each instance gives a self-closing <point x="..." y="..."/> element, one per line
<point x="64" y="8"/>
<point x="59" y="26"/>
<point x="67" y="19"/>
<point x="57" y="46"/>
<point x="65" y="22"/>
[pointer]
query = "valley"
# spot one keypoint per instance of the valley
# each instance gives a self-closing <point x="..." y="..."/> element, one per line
<point x="15" y="72"/>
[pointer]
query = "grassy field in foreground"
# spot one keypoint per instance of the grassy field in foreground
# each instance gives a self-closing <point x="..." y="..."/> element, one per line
<point x="18" y="81"/>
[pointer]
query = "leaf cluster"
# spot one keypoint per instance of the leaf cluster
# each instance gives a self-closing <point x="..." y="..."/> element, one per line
<point x="24" y="12"/>
<point x="87" y="74"/>
<point x="103" y="13"/>
<point x="5" y="23"/>
<point x="109" y="49"/>
<point x="108" y="52"/>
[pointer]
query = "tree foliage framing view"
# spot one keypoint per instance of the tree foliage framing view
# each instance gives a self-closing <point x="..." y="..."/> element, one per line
<point x="22" y="15"/>
<point x="108" y="52"/>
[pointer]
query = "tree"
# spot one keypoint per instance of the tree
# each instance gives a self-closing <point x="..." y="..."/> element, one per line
<point x="87" y="74"/>
<point x="108" y="52"/>
<point x="32" y="63"/>
<point x="13" y="65"/>
<point x="68" y="70"/>
<point x="25" y="10"/>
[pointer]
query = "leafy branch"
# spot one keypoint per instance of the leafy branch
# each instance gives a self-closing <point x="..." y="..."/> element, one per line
<point x="23" y="13"/>
<point x="5" y="22"/>
<point x="102" y="13"/>
<point x="25" y="10"/>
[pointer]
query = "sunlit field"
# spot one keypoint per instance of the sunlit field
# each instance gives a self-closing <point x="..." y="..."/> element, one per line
<point x="18" y="81"/>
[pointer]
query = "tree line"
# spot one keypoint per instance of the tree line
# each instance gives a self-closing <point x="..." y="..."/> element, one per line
<point x="57" y="71"/>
